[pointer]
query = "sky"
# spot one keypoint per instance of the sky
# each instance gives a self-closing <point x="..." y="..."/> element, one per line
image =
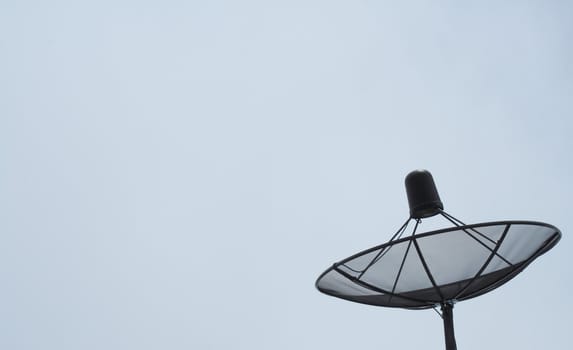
<point x="177" y="174"/>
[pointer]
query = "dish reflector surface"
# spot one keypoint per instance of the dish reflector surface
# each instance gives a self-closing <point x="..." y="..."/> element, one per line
<point x="426" y="269"/>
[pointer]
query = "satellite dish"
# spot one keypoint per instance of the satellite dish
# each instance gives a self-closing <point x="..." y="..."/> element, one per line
<point x="437" y="268"/>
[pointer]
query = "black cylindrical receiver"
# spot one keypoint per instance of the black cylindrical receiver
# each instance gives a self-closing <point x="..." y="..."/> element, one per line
<point x="423" y="196"/>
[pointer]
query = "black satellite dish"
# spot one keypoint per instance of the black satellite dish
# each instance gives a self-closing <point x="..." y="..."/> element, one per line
<point x="437" y="268"/>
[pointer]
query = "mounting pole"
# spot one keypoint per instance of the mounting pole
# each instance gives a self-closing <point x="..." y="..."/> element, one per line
<point x="448" y="317"/>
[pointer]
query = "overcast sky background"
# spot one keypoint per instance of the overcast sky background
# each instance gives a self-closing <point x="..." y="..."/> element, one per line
<point x="176" y="174"/>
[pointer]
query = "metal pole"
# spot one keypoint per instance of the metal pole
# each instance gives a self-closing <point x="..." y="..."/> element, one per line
<point x="448" y="317"/>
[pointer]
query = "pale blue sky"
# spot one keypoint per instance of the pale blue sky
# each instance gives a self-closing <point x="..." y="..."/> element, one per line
<point x="176" y="174"/>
